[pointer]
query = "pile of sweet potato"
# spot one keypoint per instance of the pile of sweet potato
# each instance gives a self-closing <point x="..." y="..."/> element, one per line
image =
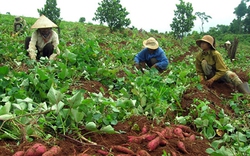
<point x="155" y="138"/>
<point x="39" y="149"/>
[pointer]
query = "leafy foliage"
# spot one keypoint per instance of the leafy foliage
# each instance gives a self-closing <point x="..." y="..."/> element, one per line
<point x="51" y="11"/>
<point x="82" y="19"/>
<point x="47" y="97"/>
<point x="183" y="21"/>
<point x="203" y="17"/>
<point x="112" y="13"/>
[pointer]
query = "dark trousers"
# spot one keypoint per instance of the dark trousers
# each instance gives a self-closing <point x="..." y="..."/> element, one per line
<point x="150" y="63"/>
<point x="45" y="52"/>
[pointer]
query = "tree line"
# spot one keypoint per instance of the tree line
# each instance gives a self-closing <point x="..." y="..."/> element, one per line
<point x="112" y="13"/>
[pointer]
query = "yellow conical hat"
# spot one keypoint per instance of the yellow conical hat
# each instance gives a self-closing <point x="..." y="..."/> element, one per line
<point x="43" y="22"/>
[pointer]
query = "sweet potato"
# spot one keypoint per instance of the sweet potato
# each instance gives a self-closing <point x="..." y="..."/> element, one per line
<point x="153" y="144"/>
<point x="181" y="146"/>
<point x="135" y="139"/>
<point x="173" y="153"/>
<point x="186" y="134"/>
<point x="184" y="128"/>
<point x="102" y="152"/>
<point x="150" y="137"/>
<point x="178" y="131"/>
<point x="144" y="129"/>
<point x="36" y="150"/>
<point x="55" y="150"/>
<point x="192" y="137"/>
<point x="142" y="153"/>
<point x="123" y="149"/>
<point x="168" y="133"/>
<point x="19" y="153"/>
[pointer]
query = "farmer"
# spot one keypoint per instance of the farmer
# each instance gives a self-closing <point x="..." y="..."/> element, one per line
<point x="44" y="41"/>
<point x="152" y="56"/>
<point x="210" y="66"/>
<point x="19" y="25"/>
<point x="227" y="45"/>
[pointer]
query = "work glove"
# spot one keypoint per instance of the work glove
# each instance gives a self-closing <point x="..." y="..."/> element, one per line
<point x="53" y="56"/>
<point x="32" y="55"/>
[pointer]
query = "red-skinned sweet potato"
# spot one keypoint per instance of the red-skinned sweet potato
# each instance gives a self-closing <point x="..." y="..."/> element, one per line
<point x="102" y="152"/>
<point x="150" y="137"/>
<point x="144" y="129"/>
<point x="19" y="153"/>
<point x="36" y="150"/>
<point x="123" y="149"/>
<point x="135" y="139"/>
<point x="55" y="150"/>
<point x="178" y="131"/>
<point x="153" y="144"/>
<point x="142" y="153"/>
<point x="181" y="146"/>
<point x="192" y="137"/>
<point x="184" y="128"/>
<point x="168" y="133"/>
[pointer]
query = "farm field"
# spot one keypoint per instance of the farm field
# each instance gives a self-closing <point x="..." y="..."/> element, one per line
<point x="92" y="98"/>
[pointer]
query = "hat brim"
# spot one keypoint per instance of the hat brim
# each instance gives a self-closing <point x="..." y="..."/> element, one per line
<point x="43" y="22"/>
<point x="150" y="46"/>
<point x="198" y="42"/>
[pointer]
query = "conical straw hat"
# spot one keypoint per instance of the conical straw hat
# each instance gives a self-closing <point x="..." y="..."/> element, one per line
<point x="43" y="22"/>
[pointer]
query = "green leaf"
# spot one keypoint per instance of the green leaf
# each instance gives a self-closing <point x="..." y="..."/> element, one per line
<point x="54" y="96"/>
<point x="76" y="99"/>
<point x="209" y="150"/>
<point x="42" y="74"/>
<point x="215" y="144"/>
<point x="67" y="55"/>
<point x="25" y="83"/>
<point x="209" y="132"/>
<point x="58" y="107"/>
<point x="229" y="128"/>
<point x="20" y="106"/>
<point x="5" y="109"/>
<point x="6" y="116"/>
<point x="181" y="120"/>
<point x="108" y="129"/>
<point x="242" y="137"/>
<point x="91" y="126"/>
<point x="4" y="70"/>
<point x="77" y="116"/>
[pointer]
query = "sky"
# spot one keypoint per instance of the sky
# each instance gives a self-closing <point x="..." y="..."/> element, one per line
<point x="144" y="14"/>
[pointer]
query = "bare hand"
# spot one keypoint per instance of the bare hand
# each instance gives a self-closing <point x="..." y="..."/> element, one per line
<point x="209" y="82"/>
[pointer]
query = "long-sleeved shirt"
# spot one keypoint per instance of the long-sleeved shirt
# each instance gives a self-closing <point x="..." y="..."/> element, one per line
<point x="214" y="59"/>
<point x="146" y="55"/>
<point x="37" y="40"/>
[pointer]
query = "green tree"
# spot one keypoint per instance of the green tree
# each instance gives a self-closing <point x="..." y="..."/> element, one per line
<point x="183" y="20"/>
<point x="82" y="19"/>
<point x="246" y="22"/>
<point x="112" y="13"/>
<point x="203" y="17"/>
<point x="51" y="11"/>
<point x="240" y="12"/>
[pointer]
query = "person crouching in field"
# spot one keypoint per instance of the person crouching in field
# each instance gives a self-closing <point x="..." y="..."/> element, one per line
<point x="19" y="25"/>
<point x="152" y="56"/>
<point x="44" y="41"/>
<point x="210" y="66"/>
